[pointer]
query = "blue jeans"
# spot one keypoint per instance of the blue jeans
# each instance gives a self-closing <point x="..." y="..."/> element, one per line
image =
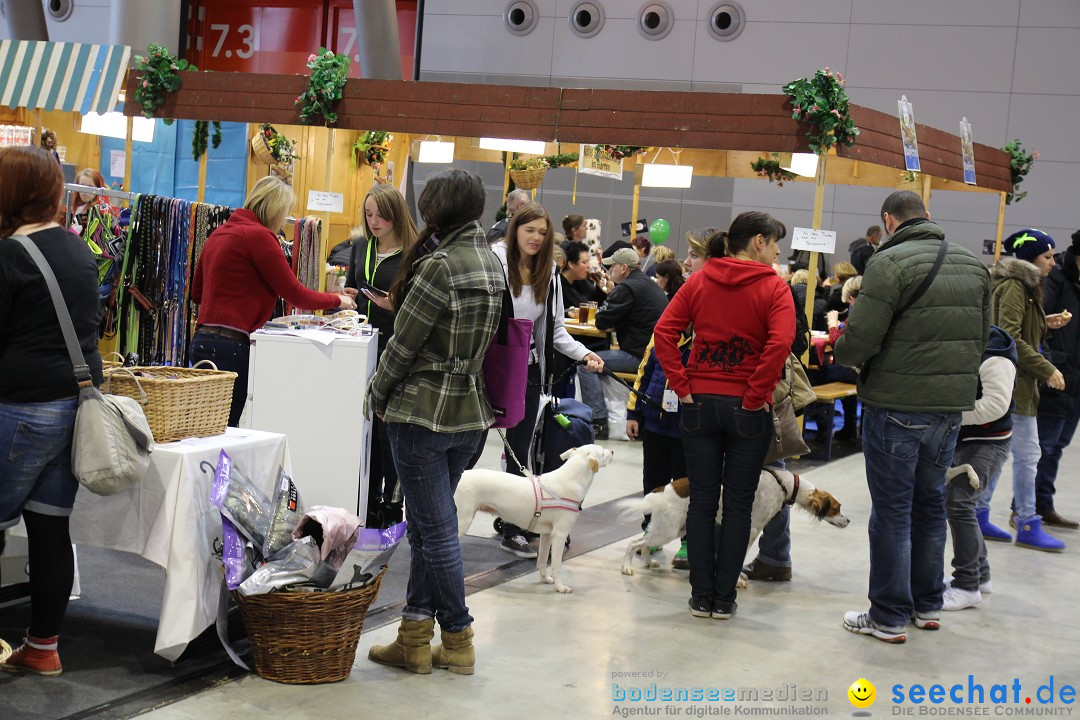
<point x="725" y="449"/>
<point x="227" y="354"/>
<point x="592" y="392"/>
<point x="429" y="466"/>
<point x="35" y="459"/>
<point x="1055" y="434"/>
<point x="907" y="455"/>
<point x="1024" y="446"/>
<point x="774" y="546"/>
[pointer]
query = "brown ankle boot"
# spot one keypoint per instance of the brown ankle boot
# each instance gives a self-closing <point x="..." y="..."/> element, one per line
<point x="456" y="653"/>
<point x="36" y="656"/>
<point x="412" y="648"/>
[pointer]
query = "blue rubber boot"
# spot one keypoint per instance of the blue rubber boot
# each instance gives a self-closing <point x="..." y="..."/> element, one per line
<point x="1030" y="534"/>
<point x="990" y="531"/>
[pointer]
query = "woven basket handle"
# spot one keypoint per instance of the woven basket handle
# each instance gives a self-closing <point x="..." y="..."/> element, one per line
<point x="110" y="355"/>
<point x="208" y="362"/>
<point x="108" y="383"/>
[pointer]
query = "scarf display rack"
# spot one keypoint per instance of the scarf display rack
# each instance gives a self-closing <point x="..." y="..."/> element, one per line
<point x="307" y="260"/>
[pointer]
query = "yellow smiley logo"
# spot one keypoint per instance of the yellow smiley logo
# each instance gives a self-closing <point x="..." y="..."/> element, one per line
<point x="862" y="693"/>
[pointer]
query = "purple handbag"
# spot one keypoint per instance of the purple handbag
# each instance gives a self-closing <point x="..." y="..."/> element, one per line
<point x="506" y="366"/>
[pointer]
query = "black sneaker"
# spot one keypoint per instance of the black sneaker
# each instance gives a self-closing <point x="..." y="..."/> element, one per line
<point x="724" y="610"/>
<point x="517" y="545"/>
<point x="600" y="430"/>
<point x="700" y="607"/>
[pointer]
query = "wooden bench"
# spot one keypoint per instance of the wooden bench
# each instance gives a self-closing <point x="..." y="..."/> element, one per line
<point x="821" y="411"/>
<point x="628" y="377"/>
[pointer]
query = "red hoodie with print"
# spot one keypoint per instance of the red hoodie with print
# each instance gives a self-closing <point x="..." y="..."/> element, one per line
<point x="743" y="319"/>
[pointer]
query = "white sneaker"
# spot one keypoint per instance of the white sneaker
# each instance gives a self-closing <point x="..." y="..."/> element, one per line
<point x="958" y="598"/>
<point x="986" y="588"/>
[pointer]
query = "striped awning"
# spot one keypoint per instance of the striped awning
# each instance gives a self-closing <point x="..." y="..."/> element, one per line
<point x="61" y="76"/>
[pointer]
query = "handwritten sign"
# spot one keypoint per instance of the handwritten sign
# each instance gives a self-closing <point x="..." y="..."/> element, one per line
<point x="594" y="161"/>
<point x="814" y="240"/>
<point x="117" y="162"/>
<point x="321" y="201"/>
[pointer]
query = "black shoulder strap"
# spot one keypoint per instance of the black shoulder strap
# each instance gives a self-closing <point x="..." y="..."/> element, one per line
<point x="927" y="281"/>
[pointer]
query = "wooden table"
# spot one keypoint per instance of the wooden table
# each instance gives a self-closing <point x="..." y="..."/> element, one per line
<point x="585" y="330"/>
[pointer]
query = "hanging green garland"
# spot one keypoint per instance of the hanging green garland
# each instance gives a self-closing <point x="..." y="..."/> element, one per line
<point x="201" y="135"/>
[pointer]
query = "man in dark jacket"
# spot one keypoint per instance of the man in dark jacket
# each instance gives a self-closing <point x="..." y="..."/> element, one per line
<point x="632" y="310"/>
<point x="1059" y="411"/>
<point x="863" y="248"/>
<point x="920" y="356"/>
<point x="514" y="199"/>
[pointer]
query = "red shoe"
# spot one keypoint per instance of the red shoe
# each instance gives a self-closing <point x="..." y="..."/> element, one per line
<point x="36" y="656"/>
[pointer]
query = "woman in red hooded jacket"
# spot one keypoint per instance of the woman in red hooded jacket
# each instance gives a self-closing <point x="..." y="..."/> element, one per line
<point x="743" y="321"/>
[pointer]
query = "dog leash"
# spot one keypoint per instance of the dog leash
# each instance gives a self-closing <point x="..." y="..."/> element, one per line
<point x="640" y="395"/>
<point x="794" y="491"/>
<point x="541" y="501"/>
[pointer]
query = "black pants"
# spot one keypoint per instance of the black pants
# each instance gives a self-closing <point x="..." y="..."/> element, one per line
<point x="382" y="475"/>
<point x="227" y="354"/>
<point x="519" y="437"/>
<point x="663" y="461"/>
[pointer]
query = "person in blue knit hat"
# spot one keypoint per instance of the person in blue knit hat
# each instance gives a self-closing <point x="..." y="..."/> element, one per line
<point x="1016" y="303"/>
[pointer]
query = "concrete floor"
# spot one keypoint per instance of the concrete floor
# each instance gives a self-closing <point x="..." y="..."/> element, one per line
<point x="543" y="655"/>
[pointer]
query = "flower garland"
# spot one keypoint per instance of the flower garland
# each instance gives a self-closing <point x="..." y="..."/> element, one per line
<point x="1020" y="163"/>
<point x="372" y="147"/>
<point x="619" y="152"/>
<point x="159" y="77"/>
<point x="201" y="135"/>
<point x="822" y="102"/>
<point x="771" y="169"/>
<point x="325" y="86"/>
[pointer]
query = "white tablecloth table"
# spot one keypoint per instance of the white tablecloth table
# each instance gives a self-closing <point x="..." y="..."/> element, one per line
<point x="168" y="519"/>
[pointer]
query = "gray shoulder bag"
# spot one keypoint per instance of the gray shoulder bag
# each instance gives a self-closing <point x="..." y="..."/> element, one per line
<point x="112" y="444"/>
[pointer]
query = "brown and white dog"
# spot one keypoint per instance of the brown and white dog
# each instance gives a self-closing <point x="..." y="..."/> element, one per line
<point x="549" y="506"/>
<point x="668" y="505"/>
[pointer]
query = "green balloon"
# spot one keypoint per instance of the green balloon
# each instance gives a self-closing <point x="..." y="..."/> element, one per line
<point x="659" y="231"/>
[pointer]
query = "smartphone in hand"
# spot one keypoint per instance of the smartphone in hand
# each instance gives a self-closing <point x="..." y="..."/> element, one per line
<point x="364" y="285"/>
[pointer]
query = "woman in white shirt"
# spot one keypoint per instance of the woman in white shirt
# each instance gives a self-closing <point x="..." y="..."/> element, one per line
<point x="527" y="257"/>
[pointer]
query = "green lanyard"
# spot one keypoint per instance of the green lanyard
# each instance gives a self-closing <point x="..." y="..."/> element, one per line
<point x="369" y="273"/>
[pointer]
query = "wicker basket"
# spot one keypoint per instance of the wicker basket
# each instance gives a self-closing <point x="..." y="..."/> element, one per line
<point x="261" y="149"/>
<point x="178" y="402"/>
<point x="528" y="179"/>
<point x="5" y="652"/>
<point x="303" y="638"/>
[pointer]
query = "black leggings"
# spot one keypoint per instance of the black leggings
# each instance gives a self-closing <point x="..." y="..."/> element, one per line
<point x="52" y="571"/>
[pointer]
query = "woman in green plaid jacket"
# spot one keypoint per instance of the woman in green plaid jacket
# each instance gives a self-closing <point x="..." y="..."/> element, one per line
<point x="428" y="390"/>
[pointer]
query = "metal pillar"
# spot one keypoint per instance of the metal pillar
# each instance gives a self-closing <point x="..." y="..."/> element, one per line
<point x="377" y="37"/>
<point x="140" y="22"/>
<point x="26" y="20"/>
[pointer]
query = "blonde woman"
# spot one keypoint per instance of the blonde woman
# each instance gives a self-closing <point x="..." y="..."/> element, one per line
<point x="389" y="232"/>
<point x="660" y="253"/>
<point x="240" y="274"/>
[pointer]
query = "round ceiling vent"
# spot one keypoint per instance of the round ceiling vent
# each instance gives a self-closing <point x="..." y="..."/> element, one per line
<point x="60" y="10"/>
<point x="586" y="18"/>
<point x="521" y="16"/>
<point x="726" y="20"/>
<point x="655" y="20"/>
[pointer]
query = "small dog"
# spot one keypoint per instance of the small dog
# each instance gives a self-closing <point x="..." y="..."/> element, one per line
<point x="668" y="505"/>
<point x="556" y="496"/>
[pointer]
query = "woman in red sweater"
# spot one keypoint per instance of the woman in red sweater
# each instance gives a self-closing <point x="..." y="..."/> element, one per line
<point x="240" y="275"/>
<point x="735" y="364"/>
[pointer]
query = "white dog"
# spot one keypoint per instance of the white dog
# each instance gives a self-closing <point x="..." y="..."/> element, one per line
<point x="549" y="505"/>
<point x="667" y="506"/>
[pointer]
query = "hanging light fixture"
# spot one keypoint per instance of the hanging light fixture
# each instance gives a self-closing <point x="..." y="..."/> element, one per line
<point x="669" y="176"/>
<point x="114" y="125"/>
<point x="530" y="147"/>
<point x="436" y="151"/>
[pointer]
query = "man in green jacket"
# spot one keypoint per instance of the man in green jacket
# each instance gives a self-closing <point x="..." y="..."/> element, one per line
<point x="918" y="344"/>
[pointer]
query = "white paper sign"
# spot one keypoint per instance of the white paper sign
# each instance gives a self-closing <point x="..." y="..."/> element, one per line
<point x="593" y="160"/>
<point x="116" y="163"/>
<point x="320" y="201"/>
<point x="814" y="240"/>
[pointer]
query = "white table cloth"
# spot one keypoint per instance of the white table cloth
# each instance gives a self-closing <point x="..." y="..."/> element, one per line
<point x="168" y="519"/>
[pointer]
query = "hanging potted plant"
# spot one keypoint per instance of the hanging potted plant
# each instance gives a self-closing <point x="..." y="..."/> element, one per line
<point x="528" y="174"/>
<point x="325" y="87"/>
<point x="1020" y="163"/>
<point x="271" y="147"/>
<point x="822" y="102"/>
<point x="771" y="169"/>
<point x="371" y="148"/>
<point x="159" y="77"/>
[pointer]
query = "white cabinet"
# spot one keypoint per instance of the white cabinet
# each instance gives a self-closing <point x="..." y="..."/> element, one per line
<point x="314" y="394"/>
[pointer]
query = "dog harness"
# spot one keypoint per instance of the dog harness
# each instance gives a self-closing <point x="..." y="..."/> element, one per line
<point x="544" y="499"/>
<point x="788" y="501"/>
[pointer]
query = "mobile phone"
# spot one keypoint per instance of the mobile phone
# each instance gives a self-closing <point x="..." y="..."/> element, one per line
<point x="364" y="285"/>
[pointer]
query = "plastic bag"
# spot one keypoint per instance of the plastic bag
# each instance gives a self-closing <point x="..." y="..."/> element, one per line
<point x="234" y="554"/>
<point x="288" y="509"/>
<point x="372" y="550"/>
<point x="240" y="501"/>
<point x="299" y="563"/>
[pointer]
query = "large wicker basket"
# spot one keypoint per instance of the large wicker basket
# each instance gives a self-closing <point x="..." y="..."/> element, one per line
<point x="303" y="638"/>
<point x="528" y="179"/>
<point x="261" y="149"/>
<point x="179" y="402"/>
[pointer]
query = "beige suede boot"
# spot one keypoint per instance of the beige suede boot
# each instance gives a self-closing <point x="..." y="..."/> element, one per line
<point x="456" y="654"/>
<point x="412" y="648"/>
